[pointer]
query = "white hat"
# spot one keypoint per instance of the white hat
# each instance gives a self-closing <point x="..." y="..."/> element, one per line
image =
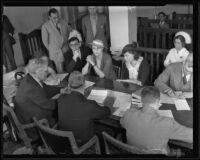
<point x="188" y="39"/>
<point x="98" y="43"/>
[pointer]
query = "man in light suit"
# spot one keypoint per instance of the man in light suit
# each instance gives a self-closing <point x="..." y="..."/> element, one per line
<point x="146" y="129"/>
<point x="54" y="37"/>
<point x="95" y="26"/>
<point x="177" y="79"/>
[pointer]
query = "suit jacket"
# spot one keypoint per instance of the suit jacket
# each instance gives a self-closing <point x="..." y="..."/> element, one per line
<point x="171" y="78"/>
<point x="33" y="100"/>
<point x="143" y="72"/>
<point x="54" y="40"/>
<point x="106" y="67"/>
<point x="70" y="65"/>
<point x="146" y="129"/>
<point x="76" y="114"/>
<point x="102" y="29"/>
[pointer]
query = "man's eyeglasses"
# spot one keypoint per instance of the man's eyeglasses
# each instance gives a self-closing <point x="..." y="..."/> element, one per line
<point x="74" y="45"/>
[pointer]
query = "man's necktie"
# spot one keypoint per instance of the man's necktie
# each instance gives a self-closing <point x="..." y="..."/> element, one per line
<point x="58" y="28"/>
<point x="184" y="79"/>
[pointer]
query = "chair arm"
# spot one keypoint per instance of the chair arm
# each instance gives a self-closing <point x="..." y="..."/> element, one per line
<point x="94" y="140"/>
<point x="31" y="125"/>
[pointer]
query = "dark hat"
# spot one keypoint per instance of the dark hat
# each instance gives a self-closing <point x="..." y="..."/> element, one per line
<point x="76" y="79"/>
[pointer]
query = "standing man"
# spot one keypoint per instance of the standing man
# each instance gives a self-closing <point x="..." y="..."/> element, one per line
<point x="54" y="37"/>
<point x="95" y="26"/>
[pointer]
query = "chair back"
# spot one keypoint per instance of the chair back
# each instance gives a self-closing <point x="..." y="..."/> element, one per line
<point x="59" y="142"/>
<point x="17" y="126"/>
<point x="18" y="77"/>
<point x="124" y="148"/>
<point x="31" y="44"/>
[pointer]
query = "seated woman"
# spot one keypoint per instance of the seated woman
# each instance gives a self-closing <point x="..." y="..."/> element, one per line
<point x="177" y="54"/>
<point x="100" y="63"/>
<point x="135" y="68"/>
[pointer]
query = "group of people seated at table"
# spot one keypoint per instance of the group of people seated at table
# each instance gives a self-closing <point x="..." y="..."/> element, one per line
<point x="145" y="129"/>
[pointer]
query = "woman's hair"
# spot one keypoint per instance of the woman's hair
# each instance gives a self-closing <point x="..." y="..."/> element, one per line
<point x="131" y="49"/>
<point x="181" y="38"/>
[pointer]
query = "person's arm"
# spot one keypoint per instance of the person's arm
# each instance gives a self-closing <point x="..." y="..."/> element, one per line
<point x="106" y="28"/>
<point x="182" y="133"/>
<point x="144" y="72"/>
<point x="167" y="59"/>
<point x="85" y="69"/>
<point x="163" y="79"/>
<point x="45" y="37"/>
<point x="84" y="29"/>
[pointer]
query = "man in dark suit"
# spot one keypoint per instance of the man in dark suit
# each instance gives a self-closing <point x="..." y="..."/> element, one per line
<point x="95" y="26"/>
<point x="33" y="97"/>
<point x="75" y="57"/>
<point x="76" y="113"/>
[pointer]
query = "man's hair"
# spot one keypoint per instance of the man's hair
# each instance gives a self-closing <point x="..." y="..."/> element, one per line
<point x="35" y="64"/>
<point x="162" y="14"/>
<point x="150" y="94"/>
<point x="181" y="38"/>
<point x="131" y="49"/>
<point x="73" y="39"/>
<point x="52" y="10"/>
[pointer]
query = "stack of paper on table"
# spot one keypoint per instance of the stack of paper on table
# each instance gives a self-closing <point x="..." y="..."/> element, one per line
<point x="98" y="95"/>
<point x="166" y="99"/>
<point x="120" y="111"/>
<point x="82" y="88"/>
<point x="181" y="104"/>
<point x="55" y="80"/>
<point x="121" y="99"/>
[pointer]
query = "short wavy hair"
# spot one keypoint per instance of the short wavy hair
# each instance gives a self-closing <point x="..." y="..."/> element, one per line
<point x="131" y="49"/>
<point x="181" y="38"/>
<point x="150" y="94"/>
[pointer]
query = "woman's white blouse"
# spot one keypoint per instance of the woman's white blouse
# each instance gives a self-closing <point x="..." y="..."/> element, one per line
<point x="133" y="71"/>
<point x="174" y="56"/>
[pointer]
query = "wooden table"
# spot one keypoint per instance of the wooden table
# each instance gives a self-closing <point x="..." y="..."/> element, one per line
<point x="183" y="117"/>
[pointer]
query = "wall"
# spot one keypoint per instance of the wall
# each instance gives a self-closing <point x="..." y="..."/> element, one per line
<point x="24" y="19"/>
<point x="150" y="11"/>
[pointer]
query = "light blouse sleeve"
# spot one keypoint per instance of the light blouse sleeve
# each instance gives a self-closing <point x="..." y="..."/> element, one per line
<point x="168" y="58"/>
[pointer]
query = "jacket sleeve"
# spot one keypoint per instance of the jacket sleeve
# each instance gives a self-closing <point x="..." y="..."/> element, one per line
<point x="144" y="72"/>
<point x="106" y="27"/>
<point x="162" y="82"/>
<point x="182" y="133"/>
<point x="69" y="62"/>
<point x="41" y="100"/>
<point x="45" y="37"/>
<point x="84" y="28"/>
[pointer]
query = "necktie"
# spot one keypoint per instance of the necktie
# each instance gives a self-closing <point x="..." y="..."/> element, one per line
<point x="58" y="28"/>
<point x="184" y="79"/>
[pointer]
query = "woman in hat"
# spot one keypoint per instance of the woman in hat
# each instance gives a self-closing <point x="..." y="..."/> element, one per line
<point x="177" y="54"/>
<point x="100" y="63"/>
<point x="135" y="67"/>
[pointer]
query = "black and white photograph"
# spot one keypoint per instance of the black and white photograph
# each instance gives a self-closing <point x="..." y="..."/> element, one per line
<point x="98" y="81"/>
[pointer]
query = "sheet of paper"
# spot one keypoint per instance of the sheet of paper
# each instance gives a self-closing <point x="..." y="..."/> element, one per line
<point x="166" y="113"/>
<point x="166" y="99"/>
<point x="82" y="88"/>
<point x="126" y="80"/>
<point x="181" y="104"/>
<point x="122" y="100"/>
<point x="55" y="80"/>
<point x="98" y="95"/>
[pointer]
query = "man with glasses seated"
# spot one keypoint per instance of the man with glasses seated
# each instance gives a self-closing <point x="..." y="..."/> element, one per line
<point x="146" y="129"/>
<point x="75" y="57"/>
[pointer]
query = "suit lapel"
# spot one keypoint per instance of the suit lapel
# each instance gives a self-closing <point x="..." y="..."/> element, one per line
<point x="97" y="25"/>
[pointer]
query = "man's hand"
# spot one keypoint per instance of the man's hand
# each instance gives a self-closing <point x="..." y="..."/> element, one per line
<point x="175" y="94"/>
<point x="188" y="94"/>
<point x="90" y="60"/>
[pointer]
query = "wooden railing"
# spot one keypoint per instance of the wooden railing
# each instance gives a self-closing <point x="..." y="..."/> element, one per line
<point x="158" y="38"/>
<point x="31" y="44"/>
<point x="181" y="16"/>
<point x="155" y="58"/>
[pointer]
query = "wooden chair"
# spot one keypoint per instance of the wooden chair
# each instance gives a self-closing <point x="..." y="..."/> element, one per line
<point x="63" y="142"/>
<point x="18" y="128"/>
<point x="119" y="147"/>
<point x="117" y="71"/>
<point x="31" y="44"/>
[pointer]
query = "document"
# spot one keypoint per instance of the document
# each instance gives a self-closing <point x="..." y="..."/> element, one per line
<point x="166" y="99"/>
<point x="98" y="95"/>
<point x="122" y="100"/>
<point x="181" y="104"/>
<point x="55" y="80"/>
<point x="166" y="113"/>
<point x="127" y="81"/>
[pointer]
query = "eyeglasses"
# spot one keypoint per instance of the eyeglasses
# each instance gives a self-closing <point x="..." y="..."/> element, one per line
<point x="74" y="45"/>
